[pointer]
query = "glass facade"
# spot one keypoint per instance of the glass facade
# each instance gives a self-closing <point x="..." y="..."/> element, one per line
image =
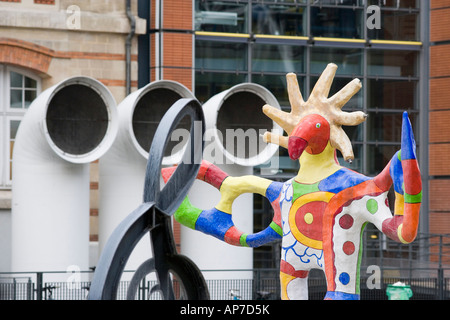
<point x="377" y="41"/>
<point x="261" y="41"/>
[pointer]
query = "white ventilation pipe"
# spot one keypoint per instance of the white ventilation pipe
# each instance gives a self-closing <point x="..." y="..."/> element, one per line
<point x="66" y="127"/>
<point x="235" y="114"/>
<point x="122" y="168"/>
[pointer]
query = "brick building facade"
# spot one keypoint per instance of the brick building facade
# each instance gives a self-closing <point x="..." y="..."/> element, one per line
<point x="50" y="41"/>
<point x="439" y="117"/>
<point x="171" y="41"/>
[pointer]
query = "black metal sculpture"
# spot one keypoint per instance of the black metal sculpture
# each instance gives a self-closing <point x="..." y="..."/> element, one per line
<point x="154" y="216"/>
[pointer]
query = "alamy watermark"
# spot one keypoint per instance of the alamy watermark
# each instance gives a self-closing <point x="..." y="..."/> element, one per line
<point x="226" y="147"/>
<point x="374" y="19"/>
<point x="374" y="280"/>
<point x="74" y="280"/>
<point x="73" y="20"/>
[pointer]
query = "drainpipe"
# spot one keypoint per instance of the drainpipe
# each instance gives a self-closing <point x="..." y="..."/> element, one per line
<point x="128" y="42"/>
<point x="66" y="128"/>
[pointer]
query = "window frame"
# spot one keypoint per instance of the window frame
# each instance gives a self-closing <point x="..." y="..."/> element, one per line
<point x="8" y="114"/>
<point x="24" y="73"/>
<point x="8" y="155"/>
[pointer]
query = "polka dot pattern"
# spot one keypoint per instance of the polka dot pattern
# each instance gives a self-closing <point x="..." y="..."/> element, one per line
<point x="372" y="206"/>
<point x="346" y="221"/>
<point x="344" y="278"/>
<point x="309" y="218"/>
<point x="348" y="248"/>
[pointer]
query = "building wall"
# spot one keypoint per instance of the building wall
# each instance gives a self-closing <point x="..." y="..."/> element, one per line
<point x="226" y="54"/>
<point x="59" y="48"/>
<point x="35" y="35"/>
<point x="171" y="41"/>
<point x="171" y="50"/>
<point x="439" y="117"/>
<point x="58" y="39"/>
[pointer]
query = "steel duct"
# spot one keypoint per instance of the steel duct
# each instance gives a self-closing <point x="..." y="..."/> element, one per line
<point x="66" y="128"/>
<point x="237" y="113"/>
<point x="232" y="114"/>
<point x="122" y="168"/>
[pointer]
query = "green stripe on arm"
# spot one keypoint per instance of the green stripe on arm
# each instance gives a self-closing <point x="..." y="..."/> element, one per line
<point x="276" y="228"/>
<point x="243" y="240"/>
<point x="187" y="214"/>
<point x="409" y="198"/>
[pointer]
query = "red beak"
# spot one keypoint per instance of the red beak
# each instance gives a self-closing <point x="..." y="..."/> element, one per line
<point x="296" y="146"/>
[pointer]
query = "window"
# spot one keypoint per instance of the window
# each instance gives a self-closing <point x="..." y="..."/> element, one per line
<point x="271" y="58"/>
<point x="397" y="24"/>
<point x="337" y="22"/>
<point x="214" y="55"/>
<point x="19" y="89"/>
<point x="221" y="16"/>
<point x="208" y="84"/>
<point x="348" y="60"/>
<point x="404" y="4"/>
<point x="392" y="63"/>
<point x="278" y="19"/>
<point x="22" y="90"/>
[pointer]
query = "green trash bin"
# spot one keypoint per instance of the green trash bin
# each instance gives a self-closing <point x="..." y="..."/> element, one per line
<point x="399" y="291"/>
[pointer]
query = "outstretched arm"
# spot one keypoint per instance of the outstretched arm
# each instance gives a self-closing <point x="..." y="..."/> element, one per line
<point x="218" y="221"/>
<point x="405" y="174"/>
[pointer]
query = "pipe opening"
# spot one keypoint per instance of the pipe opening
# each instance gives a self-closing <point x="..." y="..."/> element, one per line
<point x="77" y="119"/>
<point x="147" y="115"/>
<point x="240" y="121"/>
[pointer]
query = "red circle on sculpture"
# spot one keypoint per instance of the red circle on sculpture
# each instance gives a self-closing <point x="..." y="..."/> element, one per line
<point x="311" y="228"/>
<point x="348" y="248"/>
<point x="346" y="221"/>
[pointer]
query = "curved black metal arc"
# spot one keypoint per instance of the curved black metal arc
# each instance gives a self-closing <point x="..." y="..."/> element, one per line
<point x="193" y="281"/>
<point x="154" y="214"/>
<point x="183" y="268"/>
<point x="163" y="246"/>
<point x="147" y="267"/>
<point x="170" y="197"/>
<point x="117" y="250"/>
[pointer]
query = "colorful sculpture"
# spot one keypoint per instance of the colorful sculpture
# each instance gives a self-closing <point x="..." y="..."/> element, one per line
<point x="321" y="213"/>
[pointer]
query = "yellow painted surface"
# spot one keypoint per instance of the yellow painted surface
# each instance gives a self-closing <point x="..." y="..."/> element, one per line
<point x="301" y="201"/>
<point x="314" y="168"/>
<point x="399" y="204"/>
<point x="284" y="280"/>
<point x="233" y="187"/>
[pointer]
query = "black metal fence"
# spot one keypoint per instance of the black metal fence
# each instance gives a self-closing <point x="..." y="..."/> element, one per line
<point x="423" y="265"/>
<point x="263" y="285"/>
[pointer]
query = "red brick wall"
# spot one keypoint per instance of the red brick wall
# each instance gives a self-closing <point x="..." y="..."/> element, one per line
<point x="176" y="42"/>
<point x="440" y="60"/>
<point x="439" y="30"/>
<point x="175" y="63"/>
<point x="177" y="58"/>
<point x="439" y="125"/>
<point x="177" y="14"/>
<point x="439" y="93"/>
<point x="25" y="54"/>
<point x="38" y="58"/>
<point x="434" y="4"/>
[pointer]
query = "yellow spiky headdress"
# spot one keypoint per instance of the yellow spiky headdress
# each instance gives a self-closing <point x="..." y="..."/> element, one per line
<point x="318" y="103"/>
